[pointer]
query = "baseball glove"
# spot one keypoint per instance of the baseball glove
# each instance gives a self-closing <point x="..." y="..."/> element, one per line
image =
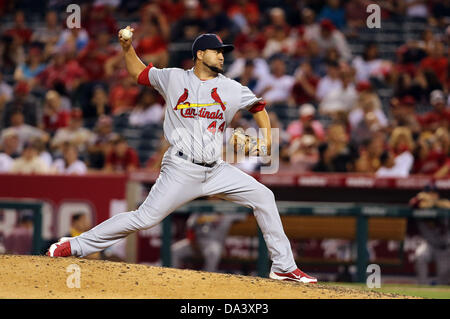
<point x="245" y="144"/>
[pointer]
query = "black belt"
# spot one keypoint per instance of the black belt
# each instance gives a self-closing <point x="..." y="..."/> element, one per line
<point x="184" y="156"/>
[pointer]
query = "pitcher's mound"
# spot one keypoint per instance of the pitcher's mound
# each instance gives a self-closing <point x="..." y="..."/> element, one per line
<point x="44" y="277"/>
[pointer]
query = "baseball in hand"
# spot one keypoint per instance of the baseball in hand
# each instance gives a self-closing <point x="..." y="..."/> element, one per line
<point x="126" y="34"/>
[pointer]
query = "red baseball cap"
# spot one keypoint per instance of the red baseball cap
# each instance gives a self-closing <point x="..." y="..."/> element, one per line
<point x="22" y="87"/>
<point x="327" y="24"/>
<point x="363" y="86"/>
<point x="408" y="100"/>
<point x="76" y="114"/>
<point x="34" y="51"/>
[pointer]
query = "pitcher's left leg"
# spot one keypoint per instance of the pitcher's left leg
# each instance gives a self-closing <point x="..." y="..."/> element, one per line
<point x="233" y="184"/>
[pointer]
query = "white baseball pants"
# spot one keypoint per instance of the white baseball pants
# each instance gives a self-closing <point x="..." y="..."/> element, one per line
<point x="180" y="182"/>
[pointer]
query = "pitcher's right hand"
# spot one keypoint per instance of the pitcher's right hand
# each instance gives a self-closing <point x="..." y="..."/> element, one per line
<point x="125" y="43"/>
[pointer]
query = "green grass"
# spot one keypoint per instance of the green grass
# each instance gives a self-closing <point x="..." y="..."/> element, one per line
<point x="435" y="292"/>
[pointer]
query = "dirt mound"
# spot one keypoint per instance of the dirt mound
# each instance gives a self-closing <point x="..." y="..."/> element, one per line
<point x="43" y="277"/>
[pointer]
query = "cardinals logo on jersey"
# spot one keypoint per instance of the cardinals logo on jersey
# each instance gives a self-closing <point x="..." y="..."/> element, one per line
<point x="187" y="108"/>
<point x="217" y="98"/>
<point x="182" y="99"/>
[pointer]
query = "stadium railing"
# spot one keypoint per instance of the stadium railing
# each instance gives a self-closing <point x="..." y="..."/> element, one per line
<point x="36" y="208"/>
<point x="362" y="213"/>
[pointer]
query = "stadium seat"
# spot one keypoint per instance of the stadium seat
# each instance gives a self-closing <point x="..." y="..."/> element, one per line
<point x="151" y="131"/>
<point x="132" y="133"/>
<point x="144" y="156"/>
<point x="148" y="145"/>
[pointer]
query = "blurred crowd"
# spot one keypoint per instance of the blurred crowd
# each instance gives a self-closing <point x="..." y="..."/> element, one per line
<point x="61" y="89"/>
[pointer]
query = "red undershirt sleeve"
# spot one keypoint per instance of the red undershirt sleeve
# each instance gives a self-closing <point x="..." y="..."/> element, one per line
<point x="257" y="107"/>
<point x="143" y="76"/>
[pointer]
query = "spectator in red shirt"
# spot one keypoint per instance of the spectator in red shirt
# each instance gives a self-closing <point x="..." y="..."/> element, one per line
<point x="429" y="155"/>
<point x="123" y="95"/>
<point x="442" y="138"/>
<point x="252" y="36"/>
<point x="152" y="46"/>
<point x="54" y="116"/>
<point x="439" y="116"/>
<point x="20" y="30"/>
<point x="151" y="35"/>
<point x="122" y="158"/>
<point x="355" y="13"/>
<point x="95" y="55"/>
<point x="436" y="61"/>
<point x="173" y="10"/>
<point x="100" y="20"/>
<point x="304" y="90"/>
<point x="61" y="69"/>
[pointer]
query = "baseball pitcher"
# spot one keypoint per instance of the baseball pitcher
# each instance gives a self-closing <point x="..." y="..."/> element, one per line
<point x="201" y="102"/>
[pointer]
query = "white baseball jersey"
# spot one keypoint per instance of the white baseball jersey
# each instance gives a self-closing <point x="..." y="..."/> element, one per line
<point x="197" y="114"/>
<point x="197" y="111"/>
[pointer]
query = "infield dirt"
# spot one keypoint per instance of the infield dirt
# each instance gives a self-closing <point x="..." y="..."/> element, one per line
<point x="31" y="277"/>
